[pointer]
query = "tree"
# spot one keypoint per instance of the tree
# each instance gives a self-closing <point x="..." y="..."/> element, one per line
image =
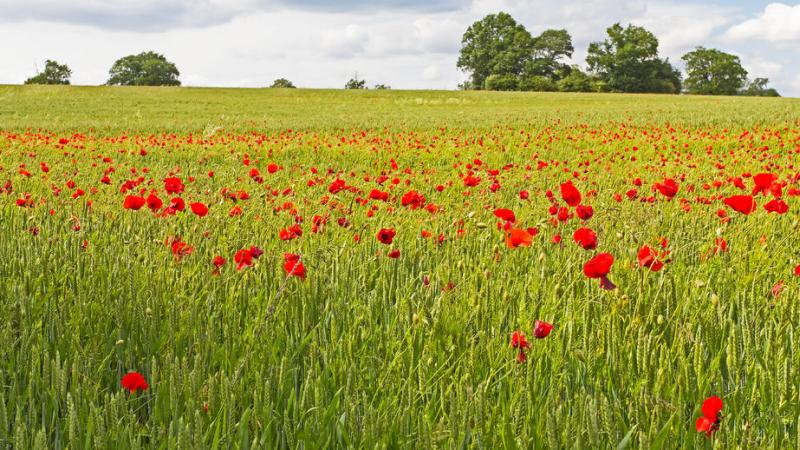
<point x="355" y="83"/>
<point x="537" y="83"/>
<point x="500" y="83"/>
<point x="495" y="45"/>
<point x="576" y="81"/>
<point x="382" y="87"/>
<point x="282" y="83"/>
<point x="713" y="72"/>
<point x="144" y="69"/>
<point x="628" y="62"/>
<point x="758" y="88"/>
<point x="550" y="50"/>
<point x="53" y="73"/>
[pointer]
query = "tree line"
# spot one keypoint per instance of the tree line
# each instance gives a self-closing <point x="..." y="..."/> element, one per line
<point x="499" y="54"/>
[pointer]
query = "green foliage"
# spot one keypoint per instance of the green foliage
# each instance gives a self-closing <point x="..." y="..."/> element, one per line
<point x="758" y="88"/>
<point x="495" y="45"/>
<point x="537" y="84"/>
<point x="576" y="81"/>
<point x="53" y="73"/>
<point x="500" y="83"/>
<point x="627" y="61"/>
<point x="382" y="87"/>
<point x="355" y="83"/>
<point x="282" y="83"/>
<point x="713" y="72"/>
<point x="144" y="69"/>
<point x="551" y="50"/>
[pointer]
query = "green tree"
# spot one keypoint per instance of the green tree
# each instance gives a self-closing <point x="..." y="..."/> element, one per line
<point x="144" y="69"/>
<point x="627" y="61"/>
<point x="713" y="72"/>
<point x="355" y="83"/>
<point x="551" y="49"/>
<point x="282" y="83"/>
<point x="382" y="87"/>
<point x="537" y="84"/>
<point x="500" y="83"/>
<point x="495" y="45"/>
<point x="576" y="81"/>
<point x="758" y="88"/>
<point x="53" y="73"/>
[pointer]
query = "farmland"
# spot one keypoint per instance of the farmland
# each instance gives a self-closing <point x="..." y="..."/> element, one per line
<point x="330" y="269"/>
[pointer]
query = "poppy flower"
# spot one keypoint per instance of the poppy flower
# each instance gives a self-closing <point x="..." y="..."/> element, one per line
<point x="777" y="206"/>
<point x="541" y="329"/>
<point x="219" y="261"/>
<point x="649" y="257"/>
<point x="394" y="254"/>
<point x="200" y="209"/>
<point x="586" y="238"/>
<point x="519" y="342"/>
<point x="154" y="203"/>
<point x="797" y="271"/>
<point x="570" y="194"/>
<point x="708" y="423"/>
<point x="599" y="267"/>
<point x="744" y="204"/>
<point x="293" y="266"/>
<point x="243" y="259"/>
<point x="181" y="249"/>
<point x="134" y="202"/>
<point x="505" y="214"/>
<point x="134" y="381"/>
<point x="386" y="235"/>
<point x="173" y="185"/>
<point x="336" y="186"/>
<point x="584" y="212"/>
<point x="763" y="183"/>
<point x="669" y="188"/>
<point x="518" y="238"/>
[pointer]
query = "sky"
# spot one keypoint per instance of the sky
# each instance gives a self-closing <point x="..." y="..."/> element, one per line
<point x="411" y="44"/>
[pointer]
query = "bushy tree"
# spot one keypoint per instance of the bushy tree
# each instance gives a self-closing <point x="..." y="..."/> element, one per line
<point x="758" y="88"/>
<point x="627" y="61"/>
<point x="500" y="83"/>
<point x="282" y="83"/>
<point x="53" y="73"/>
<point x="382" y="87"/>
<point x="576" y="81"/>
<point x="713" y="72"/>
<point x="537" y="83"/>
<point x="551" y="50"/>
<point x="495" y="45"/>
<point x="144" y="69"/>
<point x="355" y="83"/>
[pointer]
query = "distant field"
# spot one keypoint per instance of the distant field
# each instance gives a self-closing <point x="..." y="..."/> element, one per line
<point x="331" y="269"/>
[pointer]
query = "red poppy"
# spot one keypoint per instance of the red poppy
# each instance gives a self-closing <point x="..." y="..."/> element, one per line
<point x="599" y="267"/>
<point x="181" y="249"/>
<point x="519" y="342"/>
<point x="134" y="381"/>
<point x="505" y="214"/>
<point x="744" y="204"/>
<point x="763" y="183"/>
<point x="336" y="186"/>
<point x="518" y="238"/>
<point x="584" y="212"/>
<point x="586" y="238"/>
<point x="243" y="259"/>
<point x="797" y="271"/>
<point x="154" y="203"/>
<point x="708" y="423"/>
<point x="777" y="206"/>
<point x="570" y="194"/>
<point x="649" y="257"/>
<point x="173" y="185"/>
<point x="541" y="329"/>
<point x="669" y="188"/>
<point x="386" y="235"/>
<point x="394" y="254"/>
<point x="200" y="209"/>
<point x="134" y="202"/>
<point x="293" y="266"/>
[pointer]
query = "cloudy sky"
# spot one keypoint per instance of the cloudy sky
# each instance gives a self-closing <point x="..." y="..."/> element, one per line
<point x="402" y="43"/>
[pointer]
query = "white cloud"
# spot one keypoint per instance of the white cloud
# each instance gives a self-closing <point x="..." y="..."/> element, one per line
<point x="779" y="23"/>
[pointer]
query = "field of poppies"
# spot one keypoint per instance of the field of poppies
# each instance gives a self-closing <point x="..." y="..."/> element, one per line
<point x="222" y="268"/>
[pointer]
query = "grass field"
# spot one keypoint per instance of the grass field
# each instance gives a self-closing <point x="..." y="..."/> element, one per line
<point x="368" y="348"/>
